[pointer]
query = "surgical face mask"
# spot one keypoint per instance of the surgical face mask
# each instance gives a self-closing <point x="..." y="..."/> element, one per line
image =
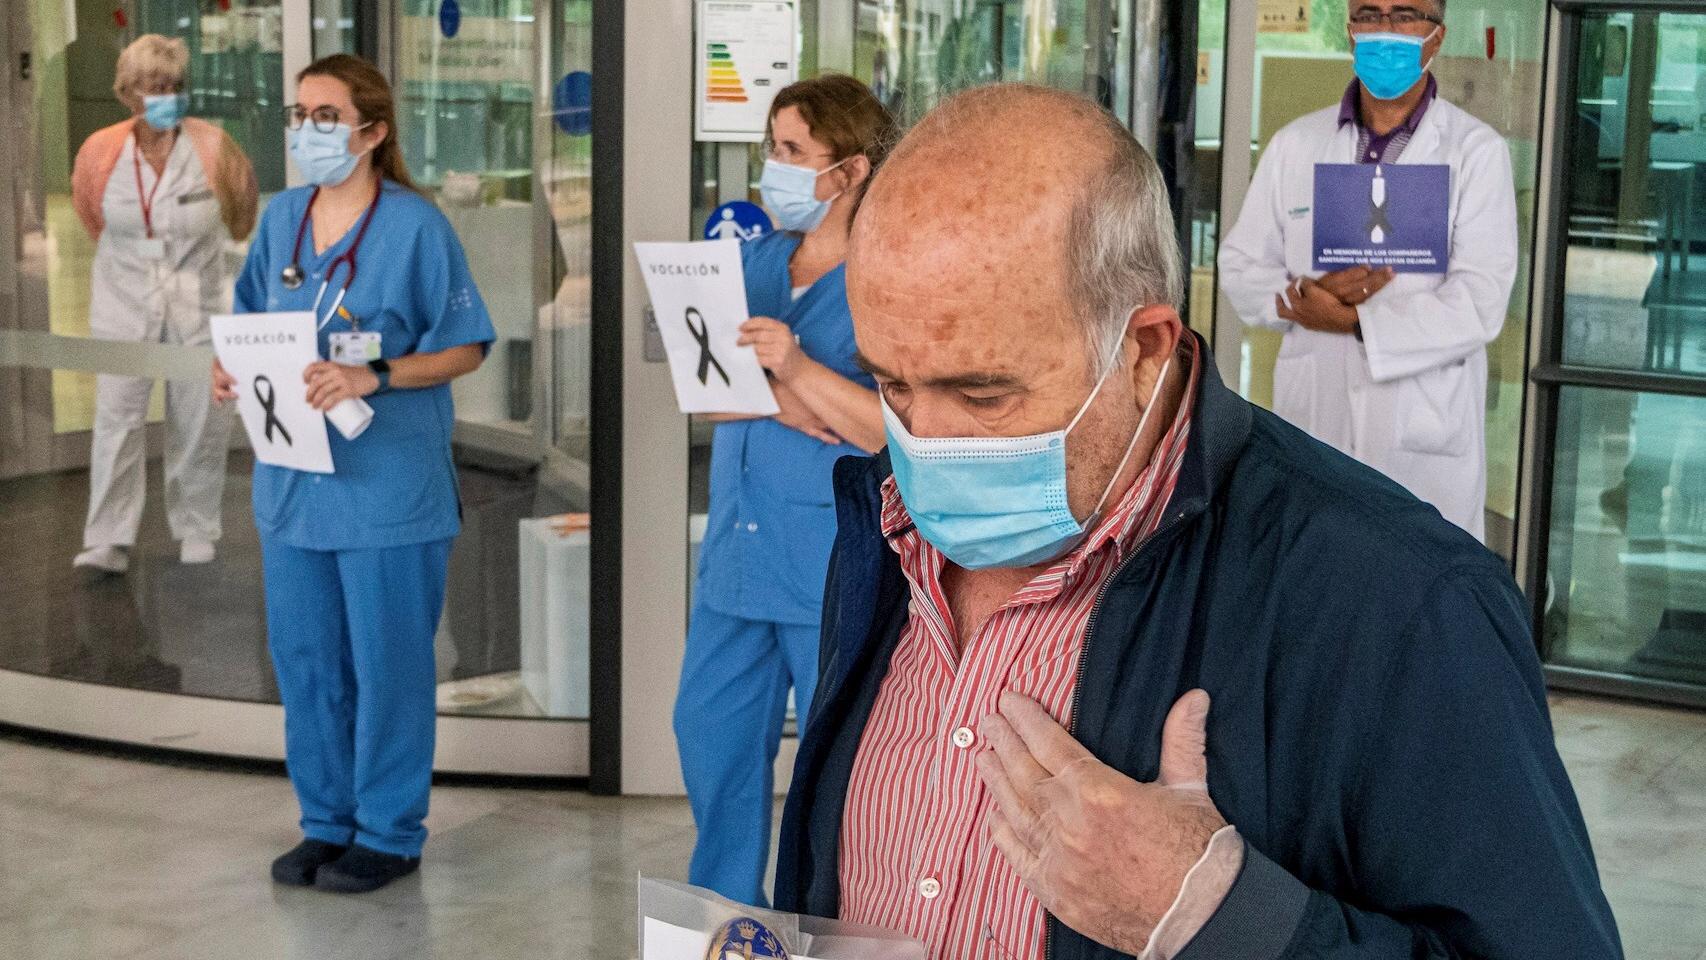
<point x="164" y="111"/>
<point x="998" y="501"/>
<point x="1388" y="64"/>
<point x="324" y="158"/>
<point x="790" y="193"/>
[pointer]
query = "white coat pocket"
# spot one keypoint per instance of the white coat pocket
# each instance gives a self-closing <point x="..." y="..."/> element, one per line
<point x="1435" y="412"/>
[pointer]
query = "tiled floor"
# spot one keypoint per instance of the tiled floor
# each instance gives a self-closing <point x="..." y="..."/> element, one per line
<point x="103" y="858"/>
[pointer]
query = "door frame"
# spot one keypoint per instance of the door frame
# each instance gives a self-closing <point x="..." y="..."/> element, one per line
<point x="1549" y="373"/>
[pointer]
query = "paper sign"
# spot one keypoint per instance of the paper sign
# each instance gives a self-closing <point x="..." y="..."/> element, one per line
<point x="698" y="293"/>
<point x="266" y="353"/>
<point x="1382" y="215"/>
<point x="745" y="55"/>
<point x="1282" y="16"/>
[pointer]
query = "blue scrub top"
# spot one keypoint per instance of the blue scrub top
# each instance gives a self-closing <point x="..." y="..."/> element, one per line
<point x="395" y="484"/>
<point x="772" y="517"/>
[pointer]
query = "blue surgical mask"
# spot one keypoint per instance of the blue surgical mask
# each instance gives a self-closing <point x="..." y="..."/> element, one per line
<point x="998" y="501"/>
<point x="790" y="194"/>
<point x="324" y="158"/>
<point x="164" y="111"/>
<point x="1389" y="64"/>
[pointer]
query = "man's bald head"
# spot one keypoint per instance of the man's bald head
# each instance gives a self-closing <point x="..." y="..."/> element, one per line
<point x="1017" y="193"/>
<point x="1014" y="252"/>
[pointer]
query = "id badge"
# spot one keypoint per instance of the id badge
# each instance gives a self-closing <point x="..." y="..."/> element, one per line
<point x="151" y="248"/>
<point x="354" y="349"/>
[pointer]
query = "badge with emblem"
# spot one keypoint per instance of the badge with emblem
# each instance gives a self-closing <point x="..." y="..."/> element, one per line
<point x="745" y="939"/>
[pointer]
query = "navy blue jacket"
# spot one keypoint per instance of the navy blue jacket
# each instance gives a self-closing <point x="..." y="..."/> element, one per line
<point x="1379" y="733"/>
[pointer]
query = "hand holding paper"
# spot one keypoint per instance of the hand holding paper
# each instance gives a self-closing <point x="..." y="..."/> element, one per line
<point x="264" y="354"/>
<point x="698" y="293"/>
<point x="1383" y="215"/>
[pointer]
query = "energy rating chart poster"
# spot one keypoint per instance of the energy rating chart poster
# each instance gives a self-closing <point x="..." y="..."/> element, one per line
<point x="745" y="55"/>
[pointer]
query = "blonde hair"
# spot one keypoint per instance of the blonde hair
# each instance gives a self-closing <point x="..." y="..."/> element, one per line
<point x="150" y="60"/>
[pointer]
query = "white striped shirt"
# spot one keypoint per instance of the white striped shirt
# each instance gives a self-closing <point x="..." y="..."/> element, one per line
<point x="915" y="854"/>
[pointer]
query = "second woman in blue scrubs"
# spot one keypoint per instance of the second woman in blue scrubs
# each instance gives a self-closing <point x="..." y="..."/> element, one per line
<point x="754" y="627"/>
<point x="355" y="561"/>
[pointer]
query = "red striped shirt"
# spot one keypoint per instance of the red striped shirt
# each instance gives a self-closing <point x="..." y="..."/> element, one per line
<point x="915" y="854"/>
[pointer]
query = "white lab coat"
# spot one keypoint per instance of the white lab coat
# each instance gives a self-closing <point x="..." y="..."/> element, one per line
<point x="1410" y="400"/>
<point x="137" y="297"/>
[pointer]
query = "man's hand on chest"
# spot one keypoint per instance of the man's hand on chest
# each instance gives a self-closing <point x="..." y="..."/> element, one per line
<point x="1103" y="853"/>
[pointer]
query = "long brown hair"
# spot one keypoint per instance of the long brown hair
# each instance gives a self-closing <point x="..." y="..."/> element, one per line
<point x="371" y="94"/>
<point x="844" y="116"/>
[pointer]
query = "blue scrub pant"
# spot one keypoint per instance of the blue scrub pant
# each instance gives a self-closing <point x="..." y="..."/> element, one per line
<point x="351" y="633"/>
<point x="728" y="725"/>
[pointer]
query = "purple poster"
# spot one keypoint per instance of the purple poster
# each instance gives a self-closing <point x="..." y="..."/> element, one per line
<point x="1382" y="215"/>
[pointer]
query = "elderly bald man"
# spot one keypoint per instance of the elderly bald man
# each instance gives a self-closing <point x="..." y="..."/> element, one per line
<point x="1076" y="537"/>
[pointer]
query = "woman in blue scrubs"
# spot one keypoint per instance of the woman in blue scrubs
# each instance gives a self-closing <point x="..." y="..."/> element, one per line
<point x="754" y="627"/>
<point x="355" y="561"/>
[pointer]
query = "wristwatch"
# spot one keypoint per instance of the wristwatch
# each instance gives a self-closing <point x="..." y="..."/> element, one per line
<point x="382" y="370"/>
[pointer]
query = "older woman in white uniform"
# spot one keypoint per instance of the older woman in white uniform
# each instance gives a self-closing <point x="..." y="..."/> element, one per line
<point x="159" y="193"/>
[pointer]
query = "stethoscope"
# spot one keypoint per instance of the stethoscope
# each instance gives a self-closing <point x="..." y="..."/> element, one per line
<point x="292" y="275"/>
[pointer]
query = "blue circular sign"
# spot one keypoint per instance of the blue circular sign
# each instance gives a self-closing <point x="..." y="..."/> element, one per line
<point x="571" y="103"/>
<point x="738" y="220"/>
<point x="449" y="17"/>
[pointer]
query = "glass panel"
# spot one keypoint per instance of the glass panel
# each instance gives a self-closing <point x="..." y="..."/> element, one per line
<point x="1635" y="276"/>
<point x="914" y="52"/>
<point x="165" y="625"/>
<point x="334" y="27"/>
<point x="1490" y="66"/>
<point x="233" y="80"/>
<point x="465" y="106"/>
<point x="569" y="192"/>
<point x="1204" y="236"/>
<point x="1298" y="71"/>
<point x="1504" y="91"/>
<point x="1626" y="587"/>
<point x="512" y="639"/>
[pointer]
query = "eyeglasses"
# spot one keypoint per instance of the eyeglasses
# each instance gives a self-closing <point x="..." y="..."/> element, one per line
<point x="788" y="153"/>
<point x="1401" y="17"/>
<point x="325" y="119"/>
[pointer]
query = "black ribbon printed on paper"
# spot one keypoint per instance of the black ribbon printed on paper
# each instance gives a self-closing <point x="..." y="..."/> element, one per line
<point x="702" y="333"/>
<point x="1377" y="218"/>
<point x="268" y="399"/>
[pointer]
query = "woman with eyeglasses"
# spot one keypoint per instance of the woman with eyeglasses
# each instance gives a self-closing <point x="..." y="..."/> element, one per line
<point x="1389" y="367"/>
<point x="161" y="194"/>
<point x="355" y="561"/>
<point x="753" y="632"/>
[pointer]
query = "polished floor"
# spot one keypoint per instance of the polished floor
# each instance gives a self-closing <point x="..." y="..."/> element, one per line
<point x="111" y="858"/>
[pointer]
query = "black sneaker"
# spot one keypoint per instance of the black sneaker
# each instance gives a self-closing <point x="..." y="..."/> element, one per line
<point x="297" y="868"/>
<point x="362" y="869"/>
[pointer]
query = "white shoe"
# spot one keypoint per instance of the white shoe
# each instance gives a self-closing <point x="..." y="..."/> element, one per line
<point x="196" y="551"/>
<point x="110" y="559"/>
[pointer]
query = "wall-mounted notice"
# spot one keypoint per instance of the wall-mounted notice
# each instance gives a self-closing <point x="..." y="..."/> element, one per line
<point x="745" y="54"/>
<point x="1282" y="16"/>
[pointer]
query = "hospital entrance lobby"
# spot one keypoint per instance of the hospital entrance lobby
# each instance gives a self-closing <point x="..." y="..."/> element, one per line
<point x="143" y="733"/>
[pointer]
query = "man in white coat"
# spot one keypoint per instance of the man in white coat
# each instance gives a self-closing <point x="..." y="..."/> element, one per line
<point x="1389" y="368"/>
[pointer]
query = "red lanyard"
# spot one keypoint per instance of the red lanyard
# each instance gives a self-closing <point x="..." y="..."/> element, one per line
<point x="146" y="201"/>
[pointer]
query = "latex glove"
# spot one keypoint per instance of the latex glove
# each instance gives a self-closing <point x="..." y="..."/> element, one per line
<point x="1103" y="853"/>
